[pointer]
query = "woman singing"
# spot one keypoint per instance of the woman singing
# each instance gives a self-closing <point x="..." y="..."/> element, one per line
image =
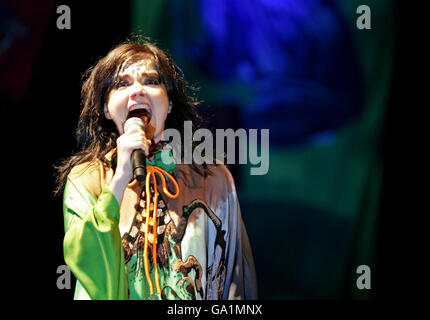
<point x="178" y="233"/>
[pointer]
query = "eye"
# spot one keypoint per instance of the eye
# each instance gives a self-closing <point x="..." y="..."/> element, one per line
<point x="152" y="80"/>
<point x="121" y="83"/>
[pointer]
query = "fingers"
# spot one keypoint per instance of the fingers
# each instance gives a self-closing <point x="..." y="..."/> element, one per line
<point x="138" y="140"/>
<point x="138" y="144"/>
<point x="134" y="139"/>
<point x="126" y="144"/>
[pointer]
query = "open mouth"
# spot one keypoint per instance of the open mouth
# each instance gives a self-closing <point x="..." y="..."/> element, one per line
<point x="140" y="110"/>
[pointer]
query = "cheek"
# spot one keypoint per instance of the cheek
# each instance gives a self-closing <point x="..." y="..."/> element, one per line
<point x="162" y="110"/>
<point x="115" y="107"/>
<point x="116" y="103"/>
<point x="161" y="116"/>
<point x="158" y="120"/>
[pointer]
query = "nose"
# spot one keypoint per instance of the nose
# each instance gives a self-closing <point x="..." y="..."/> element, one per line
<point x="137" y="91"/>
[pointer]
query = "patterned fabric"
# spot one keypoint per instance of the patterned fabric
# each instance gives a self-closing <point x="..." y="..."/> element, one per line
<point x="203" y="250"/>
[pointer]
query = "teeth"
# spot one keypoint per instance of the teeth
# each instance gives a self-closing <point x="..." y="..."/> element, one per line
<point x="140" y="106"/>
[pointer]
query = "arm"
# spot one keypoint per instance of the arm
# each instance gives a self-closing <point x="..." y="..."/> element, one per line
<point x="241" y="282"/>
<point x="92" y="243"/>
<point x="232" y="274"/>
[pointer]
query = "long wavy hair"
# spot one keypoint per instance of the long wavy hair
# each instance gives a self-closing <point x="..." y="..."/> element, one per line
<point x="96" y="135"/>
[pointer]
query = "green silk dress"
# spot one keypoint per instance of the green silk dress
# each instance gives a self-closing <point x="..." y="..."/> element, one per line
<point x="202" y="248"/>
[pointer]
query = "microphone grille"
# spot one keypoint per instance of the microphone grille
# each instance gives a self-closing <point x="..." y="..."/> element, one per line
<point x="134" y="121"/>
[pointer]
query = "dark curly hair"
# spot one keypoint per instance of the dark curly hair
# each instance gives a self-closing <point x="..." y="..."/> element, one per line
<point x="96" y="135"/>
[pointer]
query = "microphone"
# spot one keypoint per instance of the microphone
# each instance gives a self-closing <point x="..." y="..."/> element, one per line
<point x="138" y="158"/>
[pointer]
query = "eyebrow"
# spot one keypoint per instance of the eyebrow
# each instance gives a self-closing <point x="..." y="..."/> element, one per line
<point x="146" y="73"/>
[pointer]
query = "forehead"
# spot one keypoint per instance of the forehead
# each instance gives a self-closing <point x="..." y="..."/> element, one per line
<point x="132" y="67"/>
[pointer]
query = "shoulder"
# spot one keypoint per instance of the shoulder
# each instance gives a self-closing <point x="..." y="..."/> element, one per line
<point x="92" y="176"/>
<point x="217" y="174"/>
<point x="218" y="184"/>
<point x="220" y="175"/>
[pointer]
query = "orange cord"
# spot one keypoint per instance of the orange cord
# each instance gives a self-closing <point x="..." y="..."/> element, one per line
<point x="150" y="172"/>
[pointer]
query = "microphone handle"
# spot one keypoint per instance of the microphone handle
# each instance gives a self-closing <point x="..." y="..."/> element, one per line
<point x="138" y="161"/>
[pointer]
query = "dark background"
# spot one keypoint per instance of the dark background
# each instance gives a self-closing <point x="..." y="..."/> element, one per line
<point x="40" y="118"/>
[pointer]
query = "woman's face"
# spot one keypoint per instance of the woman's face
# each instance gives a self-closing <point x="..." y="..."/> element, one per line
<point x="139" y="86"/>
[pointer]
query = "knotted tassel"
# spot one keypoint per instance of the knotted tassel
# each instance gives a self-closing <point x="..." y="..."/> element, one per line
<point x="150" y="173"/>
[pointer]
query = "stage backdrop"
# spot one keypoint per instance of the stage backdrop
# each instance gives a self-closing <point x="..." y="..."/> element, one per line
<point x="305" y="71"/>
<point x="300" y="68"/>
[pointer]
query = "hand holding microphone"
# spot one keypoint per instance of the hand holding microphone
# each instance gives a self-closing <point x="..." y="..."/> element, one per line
<point x="138" y="157"/>
<point x="133" y="139"/>
<point x="132" y="144"/>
